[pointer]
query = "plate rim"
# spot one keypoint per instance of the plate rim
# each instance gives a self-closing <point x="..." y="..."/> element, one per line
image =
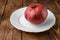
<point x="28" y="31"/>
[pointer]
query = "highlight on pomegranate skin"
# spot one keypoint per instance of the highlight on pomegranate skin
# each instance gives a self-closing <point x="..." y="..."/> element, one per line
<point x="36" y="13"/>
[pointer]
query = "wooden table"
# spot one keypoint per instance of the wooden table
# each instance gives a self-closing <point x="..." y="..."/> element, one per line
<point x="8" y="32"/>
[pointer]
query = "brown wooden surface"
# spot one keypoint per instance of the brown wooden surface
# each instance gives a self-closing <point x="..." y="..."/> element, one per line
<point x="8" y="32"/>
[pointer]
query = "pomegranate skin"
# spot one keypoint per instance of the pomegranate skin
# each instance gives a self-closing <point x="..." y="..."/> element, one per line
<point x="36" y="13"/>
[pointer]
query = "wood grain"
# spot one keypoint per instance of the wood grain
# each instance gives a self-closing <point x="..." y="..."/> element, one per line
<point x="55" y="9"/>
<point x="11" y="6"/>
<point x="2" y="6"/>
<point x="28" y="2"/>
<point x="8" y="32"/>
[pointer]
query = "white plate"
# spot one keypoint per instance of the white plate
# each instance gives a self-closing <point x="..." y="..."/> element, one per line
<point x="18" y="21"/>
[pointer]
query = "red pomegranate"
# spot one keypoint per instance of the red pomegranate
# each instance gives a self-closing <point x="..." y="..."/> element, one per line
<point x="36" y="13"/>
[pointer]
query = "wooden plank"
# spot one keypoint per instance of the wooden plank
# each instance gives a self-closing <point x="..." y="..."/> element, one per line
<point x="35" y="36"/>
<point x="28" y="2"/>
<point x="2" y="6"/>
<point x="11" y="6"/>
<point x="17" y="35"/>
<point x="4" y="32"/>
<point x="54" y="7"/>
<point x="9" y="32"/>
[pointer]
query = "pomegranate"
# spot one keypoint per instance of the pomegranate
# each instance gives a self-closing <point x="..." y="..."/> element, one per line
<point x="36" y="13"/>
